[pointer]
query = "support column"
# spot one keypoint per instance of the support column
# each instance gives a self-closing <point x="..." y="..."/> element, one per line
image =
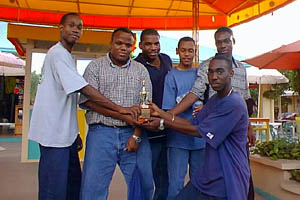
<point x="26" y="102"/>
<point x="279" y="106"/>
<point x="265" y="106"/>
<point x="259" y="110"/>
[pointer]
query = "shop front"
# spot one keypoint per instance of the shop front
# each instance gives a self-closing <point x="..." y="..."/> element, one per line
<point x="33" y="42"/>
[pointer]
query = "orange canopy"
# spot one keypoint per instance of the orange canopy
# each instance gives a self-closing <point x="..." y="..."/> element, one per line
<point x="286" y="57"/>
<point x="140" y="14"/>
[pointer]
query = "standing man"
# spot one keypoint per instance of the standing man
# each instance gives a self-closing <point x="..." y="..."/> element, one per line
<point x="182" y="150"/>
<point x="224" y="41"/>
<point x="223" y="123"/>
<point x="112" y="141"/>
<point x="54" y="120"/>
<point x="158" y="65"/>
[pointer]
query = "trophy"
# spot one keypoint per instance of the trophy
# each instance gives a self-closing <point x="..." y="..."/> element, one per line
<point x="145" y="109"/>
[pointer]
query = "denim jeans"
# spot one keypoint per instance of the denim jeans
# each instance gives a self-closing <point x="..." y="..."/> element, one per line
<point x="160" y="170"/>
<point x="144" y="163"/>
<point x="189" y="192"/>
<point x="104" y="149"/>
<point x="59" y="173"/>
<point x="178" y="161"/>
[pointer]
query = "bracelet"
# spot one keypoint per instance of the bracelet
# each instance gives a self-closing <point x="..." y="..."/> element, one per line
<point x="137" y="139"/>
<point x="173" y="116"/>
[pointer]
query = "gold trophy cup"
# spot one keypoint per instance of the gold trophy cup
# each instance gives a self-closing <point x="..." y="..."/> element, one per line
<point x="145" y="109"/>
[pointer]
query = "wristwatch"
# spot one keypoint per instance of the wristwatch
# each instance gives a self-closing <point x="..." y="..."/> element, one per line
<point x="161" y="124"/>
<point x="137" y="138"/>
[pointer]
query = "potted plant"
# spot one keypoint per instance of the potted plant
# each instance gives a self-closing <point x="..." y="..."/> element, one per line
<point x="275" y="167"/>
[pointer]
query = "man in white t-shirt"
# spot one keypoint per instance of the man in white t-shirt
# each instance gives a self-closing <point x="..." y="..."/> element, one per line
<point x="54" y="119"/>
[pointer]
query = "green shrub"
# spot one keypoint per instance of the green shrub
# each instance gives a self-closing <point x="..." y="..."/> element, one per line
<point x="278" y="149"/>
<point x="295" y="174"/>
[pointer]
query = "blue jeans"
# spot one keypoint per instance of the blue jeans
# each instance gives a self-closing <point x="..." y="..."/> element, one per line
<point x="144" y="163"/>
<point x="191" y="192"/>
<point x="104" y="149"/>
<point x="59" y="173"/>
<point x="160" y="170"/>
<point x="178" y="161"/>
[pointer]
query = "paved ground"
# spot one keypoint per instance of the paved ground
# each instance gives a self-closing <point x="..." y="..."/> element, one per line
<point x="18" y="181"/>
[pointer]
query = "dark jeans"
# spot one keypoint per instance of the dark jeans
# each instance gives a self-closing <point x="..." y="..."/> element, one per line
<point x="59" y="173"/>
<point x="189" y="192"/>
<point x="251" y="194"/>
<point x="160" y="170"/>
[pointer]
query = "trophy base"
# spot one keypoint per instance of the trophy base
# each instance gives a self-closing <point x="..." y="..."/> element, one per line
<point x="142" y="120"/>
<point x="145" y="115"/>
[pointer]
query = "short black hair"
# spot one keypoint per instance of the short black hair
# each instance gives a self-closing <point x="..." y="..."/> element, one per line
<point x="224" y="29"/>
<point x="148" y="31"/>
<point x="122" y="29"/>
<point x="222" y="57"/>
<point x="184" y="39"/>
<point x="65" y="16"/>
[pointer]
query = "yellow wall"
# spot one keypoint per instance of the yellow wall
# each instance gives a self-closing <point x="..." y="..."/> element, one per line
<point x="82" y="130"/>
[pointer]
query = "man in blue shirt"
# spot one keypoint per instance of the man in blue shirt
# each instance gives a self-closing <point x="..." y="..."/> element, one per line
<point x="224" y="41"/>
<point x="182" y="150"/>
<point x="158" y="65"/>
<point x="223" y="123"/>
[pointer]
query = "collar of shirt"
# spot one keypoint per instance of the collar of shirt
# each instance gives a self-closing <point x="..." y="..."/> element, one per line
<point x="62" y="46"/>
<point x="147" y="64"/>
<point x="114" y="66"/>
<point x="233" y="61"/>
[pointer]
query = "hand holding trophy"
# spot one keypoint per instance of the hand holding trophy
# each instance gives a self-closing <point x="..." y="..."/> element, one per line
<point x="145" y="108"/>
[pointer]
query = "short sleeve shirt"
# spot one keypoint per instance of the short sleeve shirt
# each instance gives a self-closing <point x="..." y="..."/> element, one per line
<point x="239" y="81"/>
<point x="121" y="84"/>
<point x="177" y="85"/>
<point x="54" y="116"/>
<point x="157" y="77"/>
<point x="223" y="123"/>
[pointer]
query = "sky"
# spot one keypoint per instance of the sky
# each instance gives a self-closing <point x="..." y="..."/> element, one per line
<point x="258" y="36"/>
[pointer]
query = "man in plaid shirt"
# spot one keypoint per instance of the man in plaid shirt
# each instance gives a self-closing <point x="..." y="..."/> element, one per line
<point x="110" y="139"/>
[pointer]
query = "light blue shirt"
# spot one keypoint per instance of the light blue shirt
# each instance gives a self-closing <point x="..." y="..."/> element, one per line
<point x="54" y="116"/>
<point x="177" y="85"/>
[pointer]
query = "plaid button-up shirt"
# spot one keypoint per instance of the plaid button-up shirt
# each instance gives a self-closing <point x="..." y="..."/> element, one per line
<point x="122" y="85"/>
<point x="239" y="80"/>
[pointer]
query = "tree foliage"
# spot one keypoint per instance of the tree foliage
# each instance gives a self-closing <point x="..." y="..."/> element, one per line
<point x="278" y="89"/>
<point x="33" y="85"/>
<point x="294" y="77"/>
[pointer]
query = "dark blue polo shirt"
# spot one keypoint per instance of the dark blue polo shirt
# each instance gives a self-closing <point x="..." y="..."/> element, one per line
<point x="157" y="77"/>
<point x="223" y="123"/>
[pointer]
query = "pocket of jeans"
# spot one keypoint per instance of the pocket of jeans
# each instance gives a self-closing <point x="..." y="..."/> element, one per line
<point x="94" y="127"/>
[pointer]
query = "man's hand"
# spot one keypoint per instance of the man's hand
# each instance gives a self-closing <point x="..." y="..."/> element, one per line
<point x="132" y="145"/>
<point x="251" y="135"/>
<point x="79" y="143"/>
<point x="196" y="110"/>
<point x="155" y="110"/>
<point x="129" y="120"/>
<point x="134" y="111"/>
<point x="152" y="124"/>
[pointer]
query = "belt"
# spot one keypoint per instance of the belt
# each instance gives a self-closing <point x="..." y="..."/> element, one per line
<point x="112" y="126"/>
